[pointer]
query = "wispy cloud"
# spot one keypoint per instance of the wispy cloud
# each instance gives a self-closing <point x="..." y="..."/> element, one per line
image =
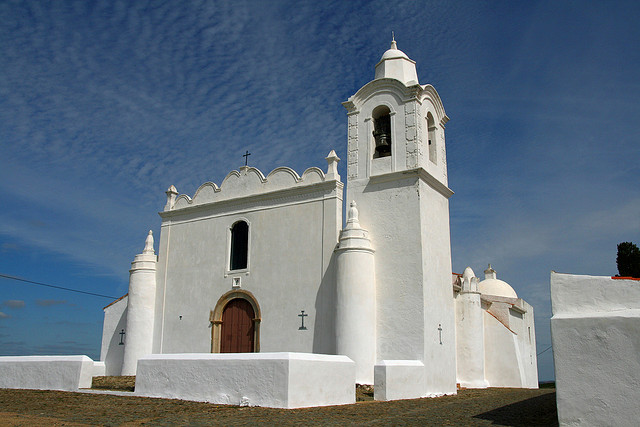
<point x="49" y="302"/>
<point x="14" y="303"/>
<point x="4" y="315"/>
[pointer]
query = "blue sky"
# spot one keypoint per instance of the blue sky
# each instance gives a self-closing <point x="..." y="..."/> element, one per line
<point x="105" y="104"/>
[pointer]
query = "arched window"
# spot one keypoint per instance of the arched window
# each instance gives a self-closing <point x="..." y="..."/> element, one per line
<point x="382" y="131"/>
<point x="431" y="127"/>
<point x="239" y="245"/>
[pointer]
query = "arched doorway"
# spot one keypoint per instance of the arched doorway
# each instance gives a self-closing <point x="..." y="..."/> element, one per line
<point x="237" y="327"/>
<point x="235" y="323"/>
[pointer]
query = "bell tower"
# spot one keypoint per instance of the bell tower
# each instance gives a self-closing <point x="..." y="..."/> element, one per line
<point x="397" y="176"/>
<point x="395" y="123"/>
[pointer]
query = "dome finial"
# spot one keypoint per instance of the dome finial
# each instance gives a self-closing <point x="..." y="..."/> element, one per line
<point x="393" y="41"/>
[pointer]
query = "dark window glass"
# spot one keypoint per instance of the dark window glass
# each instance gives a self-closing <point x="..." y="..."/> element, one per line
<point x="239" y="245"/>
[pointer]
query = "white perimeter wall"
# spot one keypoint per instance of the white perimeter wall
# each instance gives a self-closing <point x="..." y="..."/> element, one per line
<point x="596" y="336"/>
<point x="111" y="352"/>
<point x="278" y="380"/>
<point x="399" y="379"/>
<point x="46" y="372"/>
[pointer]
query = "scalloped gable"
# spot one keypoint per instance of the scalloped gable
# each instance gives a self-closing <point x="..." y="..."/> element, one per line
<point x="429" y="93"/>
<point x="395" y="87"/>
<point x="249" y="181"/>
<point x="403" y="93"/>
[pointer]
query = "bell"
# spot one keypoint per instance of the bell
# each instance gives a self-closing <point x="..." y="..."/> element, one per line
<point x="383" y="146"/>
<point x="382" y="135"/>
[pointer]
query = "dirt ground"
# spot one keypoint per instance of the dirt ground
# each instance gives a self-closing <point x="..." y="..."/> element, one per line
<point x="510" y="407"/>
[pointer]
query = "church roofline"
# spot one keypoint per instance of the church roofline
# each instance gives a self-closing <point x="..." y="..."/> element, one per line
<point x="249" y="181"/>
<point x="322" y="189"/>
<point x="115" y="301"/>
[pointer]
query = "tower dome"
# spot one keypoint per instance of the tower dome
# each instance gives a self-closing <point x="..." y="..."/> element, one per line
<point x="491" y="285"/>
<point x="393" y="52"/>
<point x="395" y="64"/>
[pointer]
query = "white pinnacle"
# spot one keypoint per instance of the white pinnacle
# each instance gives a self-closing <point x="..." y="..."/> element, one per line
<point x="148" y="244"/>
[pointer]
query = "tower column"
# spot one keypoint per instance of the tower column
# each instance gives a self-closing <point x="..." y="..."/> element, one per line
<point x="470" y="334"/>
<point x="356" y="298"/>
<point x="140" y="307"/>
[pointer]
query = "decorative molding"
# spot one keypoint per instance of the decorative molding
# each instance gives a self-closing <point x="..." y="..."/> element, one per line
<point x="435" y="183"/>
<point x="430" y="93"/>
<point x="411" y="133"/>
<point x="375" y="87"/>
<point x="302" y="194"/>
<point x="417" y="173"/>
<point x="255" y="183"/>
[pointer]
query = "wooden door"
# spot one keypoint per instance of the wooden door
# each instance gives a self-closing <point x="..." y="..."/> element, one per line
<point x="237" y="327"/>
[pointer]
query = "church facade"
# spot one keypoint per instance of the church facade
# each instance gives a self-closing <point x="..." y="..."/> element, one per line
<point x="264" y="264"/>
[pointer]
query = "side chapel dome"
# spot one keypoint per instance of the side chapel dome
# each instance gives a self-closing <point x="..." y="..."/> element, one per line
<point x="494" y="286"/>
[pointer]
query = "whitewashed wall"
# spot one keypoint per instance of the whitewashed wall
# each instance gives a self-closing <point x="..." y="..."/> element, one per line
<point x="115" y="320"/>
<point x="279" y="380"/>
<point x="293" y="229"/>
<point x="46" y="372"/>
<point x="502" y="354"/>
<point x="595" y="331"/>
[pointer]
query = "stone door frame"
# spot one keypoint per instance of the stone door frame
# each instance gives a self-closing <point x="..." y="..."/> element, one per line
<point x="215" y="317"/>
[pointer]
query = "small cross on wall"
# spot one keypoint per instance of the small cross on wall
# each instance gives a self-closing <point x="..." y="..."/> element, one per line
<point x="302" y="316"/>
<point x="121" y="337"/>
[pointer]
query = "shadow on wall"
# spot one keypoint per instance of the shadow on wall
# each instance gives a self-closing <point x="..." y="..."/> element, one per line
<point x="537" y="411"/>
<point x="323" y="338"/>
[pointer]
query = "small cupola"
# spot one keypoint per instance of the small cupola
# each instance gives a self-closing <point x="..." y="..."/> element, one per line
<point x="395" y="64"/>
<point x="491" y="285"/>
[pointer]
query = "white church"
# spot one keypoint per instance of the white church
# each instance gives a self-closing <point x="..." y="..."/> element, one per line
<point x="266" y="264"/>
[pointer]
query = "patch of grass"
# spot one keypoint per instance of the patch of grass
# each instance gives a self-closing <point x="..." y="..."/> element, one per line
<point x="122" y="383"/>
<point x="364" y="392"/>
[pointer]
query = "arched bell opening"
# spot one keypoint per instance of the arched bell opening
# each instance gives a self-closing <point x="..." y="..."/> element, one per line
<point x="381" y="116"/>
<point x="431" y="129"/>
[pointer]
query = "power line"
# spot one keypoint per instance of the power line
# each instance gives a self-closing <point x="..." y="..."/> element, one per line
<point x="6" y="276"/>
<point x="543" y="351"/>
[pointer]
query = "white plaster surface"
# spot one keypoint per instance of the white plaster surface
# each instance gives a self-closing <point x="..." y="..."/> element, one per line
<point x="99" y="369"/>
<point x="596" y="336"/>
<point x="502" y="354"/>
<point x="356" y="298"/>
<point x="399" y="379"/>
<point x="115" y="320"/>
<point x="278" y="380"/>
<point x="140" y="308"/>
<point x="46" y="372"/>
<point x="470" y="340"/>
